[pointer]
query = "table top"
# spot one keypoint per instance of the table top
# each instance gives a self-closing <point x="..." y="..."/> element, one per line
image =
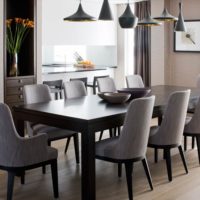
<point x="91" y="108"/>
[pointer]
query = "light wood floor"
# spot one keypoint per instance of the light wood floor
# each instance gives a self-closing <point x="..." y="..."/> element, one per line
<point x="109" y="186"/>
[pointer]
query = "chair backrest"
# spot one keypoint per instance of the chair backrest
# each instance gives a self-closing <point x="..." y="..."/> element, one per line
<point x="106" y="85"/>
<point x="54" y="84"/>
<point x="96" y="78"/>
<point x="135" y="133"/>
<point x="36" y="94"/>
<point x="15" y="150"/>
<point x="74" y="89"/>
<point x="198" y="81"/>
<point x="194" y="125"/>
<point x="134" y="81"/>
<point x="8" y="137"/>
<point x="84" y="79"/>
<point x="171" y="128"/>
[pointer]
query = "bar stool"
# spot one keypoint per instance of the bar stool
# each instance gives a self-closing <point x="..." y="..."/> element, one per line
<point x="93" y="85"/>
<point x="84" y="80"/>
<point x="55" y="87"/>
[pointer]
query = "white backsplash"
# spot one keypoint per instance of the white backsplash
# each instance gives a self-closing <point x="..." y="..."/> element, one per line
<point x="64" y="54"/>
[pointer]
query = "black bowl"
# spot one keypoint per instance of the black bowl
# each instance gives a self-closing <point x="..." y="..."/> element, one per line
<point x="135" y="92"/>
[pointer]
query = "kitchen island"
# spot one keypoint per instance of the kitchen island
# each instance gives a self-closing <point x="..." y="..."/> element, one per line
<point x="65" y="72"/>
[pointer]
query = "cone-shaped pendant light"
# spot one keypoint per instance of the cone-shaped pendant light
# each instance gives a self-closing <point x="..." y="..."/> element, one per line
<point x="79" y="16"/>
<point x="166" y="16"/>
<point x="180" y="25"/>
<point x="128" y="19"/>
<point x="106" y="13"/>
<point x="149" y="21"/>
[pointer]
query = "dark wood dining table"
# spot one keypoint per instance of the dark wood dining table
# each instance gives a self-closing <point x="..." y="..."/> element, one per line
<point x="87" y="115"/>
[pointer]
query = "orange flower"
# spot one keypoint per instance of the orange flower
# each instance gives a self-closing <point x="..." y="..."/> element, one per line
<point x="8" y="22"/>
<point x="18" y="20"/>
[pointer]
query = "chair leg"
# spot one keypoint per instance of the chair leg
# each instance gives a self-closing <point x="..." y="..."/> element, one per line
<point x="76" y="148"/>
<point x="44" y="169"/>
<point x="183" y="158"/>
<point x="155" y="155"/>
<point x="193" y="142"/>
<point x="119" y="170"/>
<point x="198" y="147"/>
<point x="129" y="173"/>
<point x="148" y="174"/>
<point x="10" y="185"/>
<point x="119" y="130"/>
<point x="111" y="132"/>
<point x="185" y="143"/>
<point x="115" y="131"/>
<point x="168" y="163"/>
<point x="101" y="135"/>
<point x="54" y="174"/>
<point x="23" y="177"/>
<point x="67" y="144"/>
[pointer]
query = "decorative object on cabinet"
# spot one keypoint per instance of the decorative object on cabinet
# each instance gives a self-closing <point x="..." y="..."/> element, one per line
<point x="188" y="41"/>
<point x="80" y="15"/>
<point x="180" y="25"/>
<point x="128" y="19"/>
<point x="17" y="30"/>
<point x="106" y="13"/>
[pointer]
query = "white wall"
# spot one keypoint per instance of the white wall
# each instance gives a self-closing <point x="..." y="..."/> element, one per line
<point x="39" y="42"/>
<point x="1" y="53"/>
<point x="157" y="46"/>
<point x="58" y="32"/>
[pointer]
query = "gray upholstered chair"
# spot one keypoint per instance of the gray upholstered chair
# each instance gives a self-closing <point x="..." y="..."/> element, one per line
<point x="93" y="85"/>
<point x="38" y="94"/>
<point x="106" y="84"/>
<point x="83" y="79"/>
<point x="131" y="145"/>
<point x="74" y="89"/>
<point x="134" y="81"/>
<point x="19" y="154"/>
<point x="55" y="87"/>
<point x="194" y="103"/>
<point x="169" y="134"/>
<point x="192" y="127"/>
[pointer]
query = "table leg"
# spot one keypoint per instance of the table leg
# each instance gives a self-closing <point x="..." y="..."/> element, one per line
<point x="88" y="165"/>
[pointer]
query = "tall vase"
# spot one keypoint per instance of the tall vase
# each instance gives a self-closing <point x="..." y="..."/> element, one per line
<point x="13" y="71"/>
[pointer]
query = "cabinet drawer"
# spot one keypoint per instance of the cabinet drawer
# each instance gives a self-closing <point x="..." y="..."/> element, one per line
<point x="14" y="98"/>
<point x="19" y="82"/>
<point x="14" y="90"/>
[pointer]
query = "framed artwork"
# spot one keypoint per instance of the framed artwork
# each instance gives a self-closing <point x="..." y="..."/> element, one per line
<point x="188" y="41"/>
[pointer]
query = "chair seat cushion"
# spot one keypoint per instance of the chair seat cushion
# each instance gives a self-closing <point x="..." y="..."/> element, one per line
<point x="52" y="132"/>
<point x="52" y="153"/>
<point x="106" y="148"/>
<point x="154" y="139"/>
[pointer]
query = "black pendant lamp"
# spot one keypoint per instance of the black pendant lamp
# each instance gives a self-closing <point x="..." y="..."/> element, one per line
<point x="106" y="13"/>
<point x="128" y="19"/>
<point x="149" y="21"/>
<point x="80" y="16"/>
<point x="180" y="25"/>
<point x="166" y="16"/>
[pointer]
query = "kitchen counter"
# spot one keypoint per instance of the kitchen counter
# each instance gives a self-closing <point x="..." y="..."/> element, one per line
<point x="63" y="68"/>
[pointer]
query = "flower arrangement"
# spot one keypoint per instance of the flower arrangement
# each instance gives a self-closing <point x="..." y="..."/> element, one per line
<point x="17" y="30"/>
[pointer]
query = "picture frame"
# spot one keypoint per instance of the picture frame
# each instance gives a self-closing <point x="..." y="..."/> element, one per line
<point x="188" y="41"/>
